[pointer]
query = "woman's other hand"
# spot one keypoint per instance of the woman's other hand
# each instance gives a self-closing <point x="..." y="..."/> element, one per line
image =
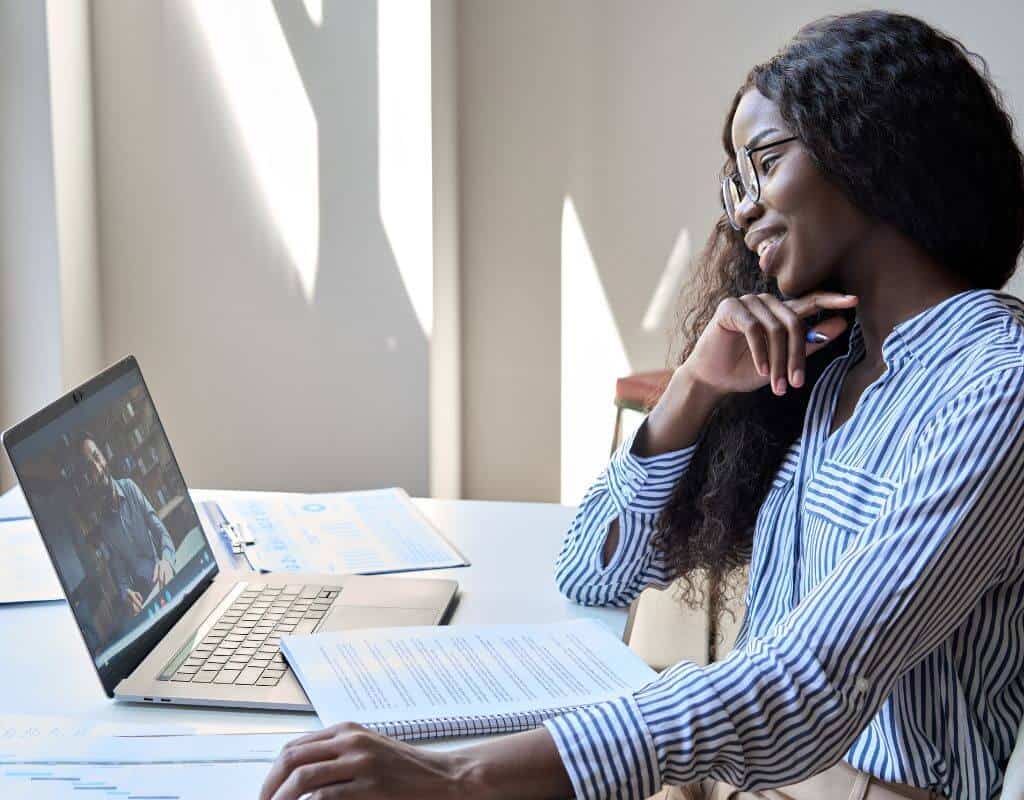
<point x="350" y="761"/>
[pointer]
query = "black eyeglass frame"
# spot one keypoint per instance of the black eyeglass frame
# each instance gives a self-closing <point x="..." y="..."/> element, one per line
<point x="753" y="191"/>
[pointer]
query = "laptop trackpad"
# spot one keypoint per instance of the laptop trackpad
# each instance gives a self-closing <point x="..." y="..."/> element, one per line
<point x="347" y="618"/>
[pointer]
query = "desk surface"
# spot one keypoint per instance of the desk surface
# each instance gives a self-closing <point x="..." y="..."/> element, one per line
<point x="512" y="546"/>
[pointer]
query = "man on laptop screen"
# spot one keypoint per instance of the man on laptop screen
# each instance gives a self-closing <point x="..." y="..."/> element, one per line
<point x="127" y="537"/>
<point x="140" y="548"/>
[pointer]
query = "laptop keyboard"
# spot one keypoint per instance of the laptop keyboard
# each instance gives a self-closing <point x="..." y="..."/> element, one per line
<point x="243" y="646"/>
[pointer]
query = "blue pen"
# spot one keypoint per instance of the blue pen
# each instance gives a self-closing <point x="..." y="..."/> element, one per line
<point x="816" y="337"/>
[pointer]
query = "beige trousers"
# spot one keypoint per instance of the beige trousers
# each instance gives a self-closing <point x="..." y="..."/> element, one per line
<point x="840" y="782"/>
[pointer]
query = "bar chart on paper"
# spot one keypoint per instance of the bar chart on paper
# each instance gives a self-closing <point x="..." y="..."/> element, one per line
<point x="145" y="768"/>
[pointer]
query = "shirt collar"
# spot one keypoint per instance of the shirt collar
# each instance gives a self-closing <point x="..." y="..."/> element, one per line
<point x="941" y="329"/>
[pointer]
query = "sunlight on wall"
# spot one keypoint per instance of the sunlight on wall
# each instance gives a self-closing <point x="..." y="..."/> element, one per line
<point x="315" y="10"/>
<point x="405" y="154"/>
<point x="662" y="308"/>
<point x="274" y="118"/>
<point x="593" y="357"/>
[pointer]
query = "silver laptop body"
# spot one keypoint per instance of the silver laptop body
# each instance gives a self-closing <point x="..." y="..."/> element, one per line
<point x="162" y="622"/>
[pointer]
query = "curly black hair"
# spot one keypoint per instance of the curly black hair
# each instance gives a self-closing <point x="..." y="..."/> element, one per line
<point x="907" y="123"/>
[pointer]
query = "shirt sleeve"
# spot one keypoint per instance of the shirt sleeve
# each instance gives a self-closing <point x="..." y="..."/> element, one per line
<point x="792" y="702"/>
<point x="161" y="538"/>
<point x="633" y="490"/>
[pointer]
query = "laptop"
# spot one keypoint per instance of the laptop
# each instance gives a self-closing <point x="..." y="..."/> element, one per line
<point x="162" y="622"/>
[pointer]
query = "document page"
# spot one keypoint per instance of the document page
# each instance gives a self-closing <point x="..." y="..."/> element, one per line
<point x="13" y="505"/>
<point x="361" y="533"/>
<point x="426" y="673"/>
<point x="26" y="572"/>
<point x="165" y="767"/>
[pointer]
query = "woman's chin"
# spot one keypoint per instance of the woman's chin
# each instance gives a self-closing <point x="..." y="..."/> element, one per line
<point x="790" y="281"/>
<point x="781" y="280"/>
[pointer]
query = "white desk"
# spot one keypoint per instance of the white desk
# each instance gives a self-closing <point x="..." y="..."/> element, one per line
<point x="45" y="669"/>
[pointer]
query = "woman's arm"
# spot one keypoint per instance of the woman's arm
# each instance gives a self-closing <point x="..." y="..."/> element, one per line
<point x="607" y="558"/>
<point x="673" y="425"/>
<point x="793" y="701"/>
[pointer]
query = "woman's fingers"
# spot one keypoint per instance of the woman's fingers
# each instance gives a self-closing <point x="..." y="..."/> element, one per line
<point x="327" y="777"/>
<point x="775" y="334"/>
<point x="784" y="331"/>
<point x="315" y="736"/>
<point x="294" y="758"/>
<point x="814" y="302"/>
<point x="796" y="342"/>
<point x="316" y="746"/>
<point x="334" y="792"/>
<point x="741" y="320"/>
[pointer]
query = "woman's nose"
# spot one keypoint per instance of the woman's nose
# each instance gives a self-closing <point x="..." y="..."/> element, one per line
<point x="747" y="211"/>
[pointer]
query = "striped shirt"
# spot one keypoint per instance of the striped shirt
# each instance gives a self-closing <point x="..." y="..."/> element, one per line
<point x="885" y="607"/>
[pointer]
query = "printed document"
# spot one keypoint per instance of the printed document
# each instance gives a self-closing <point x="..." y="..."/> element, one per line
<point x="26" y="573"/>
<point x="13" y="505"/>
<point x="360" y="533"/>
<point x="420" y="681"/>
<point x="167" y="767"/>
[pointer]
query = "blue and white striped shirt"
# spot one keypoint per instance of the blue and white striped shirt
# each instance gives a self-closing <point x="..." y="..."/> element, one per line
<point x="885" y="608"/>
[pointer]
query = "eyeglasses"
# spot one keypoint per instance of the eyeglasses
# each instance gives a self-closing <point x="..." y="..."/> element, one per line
<point x="749" y="184"/>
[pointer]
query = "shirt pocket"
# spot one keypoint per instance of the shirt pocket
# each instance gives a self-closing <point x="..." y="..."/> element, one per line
<point x="846" y="496"/>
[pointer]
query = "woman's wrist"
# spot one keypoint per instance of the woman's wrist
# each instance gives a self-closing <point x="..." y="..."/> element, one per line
<point x="518" y="767"/>
<point x="680" y="414"/>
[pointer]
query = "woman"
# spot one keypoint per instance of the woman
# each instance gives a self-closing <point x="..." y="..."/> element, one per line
<point x="870" y="477"/>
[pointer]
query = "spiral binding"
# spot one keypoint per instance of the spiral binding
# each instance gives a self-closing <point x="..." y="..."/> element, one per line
<point x="477" y="725"/>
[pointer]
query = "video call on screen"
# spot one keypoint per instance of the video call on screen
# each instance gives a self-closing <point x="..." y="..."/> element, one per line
<point x="113" y="509"/>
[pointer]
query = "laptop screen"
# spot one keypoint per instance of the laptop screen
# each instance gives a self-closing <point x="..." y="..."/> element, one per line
<point x="111" y="505"/>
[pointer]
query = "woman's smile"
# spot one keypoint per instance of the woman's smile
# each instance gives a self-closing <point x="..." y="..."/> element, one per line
<point x="768" y="253"/>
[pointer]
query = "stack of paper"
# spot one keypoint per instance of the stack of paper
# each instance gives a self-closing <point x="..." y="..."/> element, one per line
<point x="429" y="682"/>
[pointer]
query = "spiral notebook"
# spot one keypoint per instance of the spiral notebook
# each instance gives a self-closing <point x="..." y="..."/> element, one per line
<point x="431" y="682"/>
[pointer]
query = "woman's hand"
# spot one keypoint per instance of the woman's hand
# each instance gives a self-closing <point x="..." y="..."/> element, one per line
<point x="758" y="338"/>
<point x="349" y="761"/>
<point x="750" y="341"/>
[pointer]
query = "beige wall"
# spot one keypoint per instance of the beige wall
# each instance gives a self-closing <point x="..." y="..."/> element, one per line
<point x="74" y="177"/>
<point x="49" y="275"/>
<point x="445" y="343"/>
<point x="619" y="105"/>
<point x="259" y="385"/>
<point x="30" y="345"/>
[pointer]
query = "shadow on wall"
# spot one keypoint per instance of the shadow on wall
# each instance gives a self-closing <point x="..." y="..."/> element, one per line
<point x="275" y="328"/>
